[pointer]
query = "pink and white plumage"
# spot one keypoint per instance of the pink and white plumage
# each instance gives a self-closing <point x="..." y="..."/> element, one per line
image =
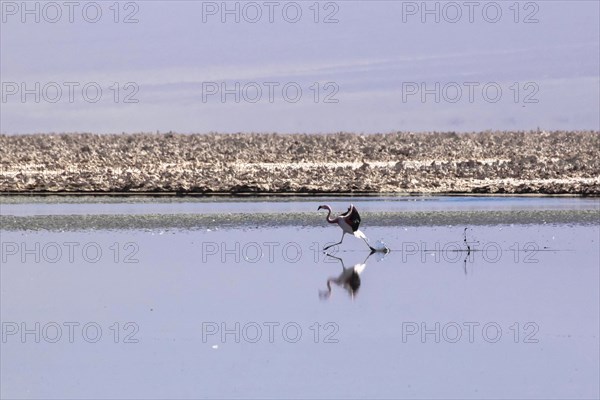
<point x="349" y="222"/>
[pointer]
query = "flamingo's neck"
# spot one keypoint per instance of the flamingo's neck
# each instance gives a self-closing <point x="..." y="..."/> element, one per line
<point x="329" y="285"/>
<point x="329" y="219"/>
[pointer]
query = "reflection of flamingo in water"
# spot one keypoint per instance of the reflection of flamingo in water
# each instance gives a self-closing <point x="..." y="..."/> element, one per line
<point x="349" y="279"/>
<point x="349" y="222"/>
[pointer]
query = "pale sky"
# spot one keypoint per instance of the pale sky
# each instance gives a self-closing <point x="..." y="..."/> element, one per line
<point x="376" y="66"/>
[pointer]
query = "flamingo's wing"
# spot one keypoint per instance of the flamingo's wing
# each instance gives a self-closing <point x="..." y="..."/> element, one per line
<point x="352" y="217"/>
<point x="353" y="283"/>
<point x="359" y="268"/>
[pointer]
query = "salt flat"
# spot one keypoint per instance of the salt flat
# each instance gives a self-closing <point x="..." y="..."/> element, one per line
<point x="485" y="162"/>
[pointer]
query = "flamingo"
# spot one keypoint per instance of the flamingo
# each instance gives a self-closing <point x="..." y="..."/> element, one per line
<point x="349" y="222"/>
<point x="349" y="279"/>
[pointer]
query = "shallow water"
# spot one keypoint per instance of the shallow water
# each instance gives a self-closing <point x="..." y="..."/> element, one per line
<point x="192" y="298"/>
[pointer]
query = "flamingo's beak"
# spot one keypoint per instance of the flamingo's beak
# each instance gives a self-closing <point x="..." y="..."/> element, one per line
<point x="319" y="208"/>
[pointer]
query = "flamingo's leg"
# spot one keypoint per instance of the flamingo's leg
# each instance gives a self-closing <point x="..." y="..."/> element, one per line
<point x="335" y="244"/>
<point x="370" y="247"/>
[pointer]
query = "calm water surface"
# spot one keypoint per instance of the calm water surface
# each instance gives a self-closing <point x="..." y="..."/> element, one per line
<point x="228" y="298"/>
